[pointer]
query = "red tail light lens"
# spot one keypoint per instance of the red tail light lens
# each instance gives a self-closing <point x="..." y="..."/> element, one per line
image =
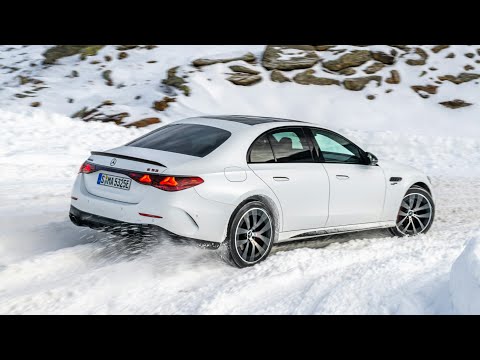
<point x="167" y="183"/>
<point x="87" y="168"/>
<point x="176" y="183"/>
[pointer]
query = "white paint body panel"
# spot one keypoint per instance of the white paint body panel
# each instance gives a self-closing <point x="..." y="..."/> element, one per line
<point x="312" y="199"/>
<point x="302" y="190"/>
<point x="357" y="194"/>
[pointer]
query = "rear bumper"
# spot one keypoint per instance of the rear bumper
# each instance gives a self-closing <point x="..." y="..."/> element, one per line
<point x="183" y="213"/>
<point x="82" y="218"/>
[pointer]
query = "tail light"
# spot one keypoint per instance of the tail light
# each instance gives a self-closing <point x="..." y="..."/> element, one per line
<point x="167" y="183"/>
<point x="87" y="168"/>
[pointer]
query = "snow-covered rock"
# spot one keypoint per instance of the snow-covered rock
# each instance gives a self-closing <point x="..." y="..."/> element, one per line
<point x="465" y="280"/>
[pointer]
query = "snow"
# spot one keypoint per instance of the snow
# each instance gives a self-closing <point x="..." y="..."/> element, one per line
<point x="465" y="279"/>
<point x="49" y="266"/>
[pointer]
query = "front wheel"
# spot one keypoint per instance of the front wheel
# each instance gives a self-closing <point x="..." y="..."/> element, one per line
<point x="416" y="213"/>
<point x="251" y="234"/>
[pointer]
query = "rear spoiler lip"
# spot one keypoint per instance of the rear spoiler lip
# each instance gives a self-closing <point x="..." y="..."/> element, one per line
<point x="127" y="158"/>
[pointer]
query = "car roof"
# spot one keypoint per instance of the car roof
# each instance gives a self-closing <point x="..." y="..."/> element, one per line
<point x="235" y="123"/>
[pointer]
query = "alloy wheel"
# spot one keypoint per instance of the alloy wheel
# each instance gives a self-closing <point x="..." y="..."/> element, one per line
<point x="253" y="235"/>
<point x="415" y="214"/>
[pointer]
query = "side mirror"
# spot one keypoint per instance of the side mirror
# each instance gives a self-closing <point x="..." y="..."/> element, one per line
<point x="373" y="160"/>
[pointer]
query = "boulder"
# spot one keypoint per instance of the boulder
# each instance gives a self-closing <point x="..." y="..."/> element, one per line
<point x="249" y="57"/>
<point x="358" y="84"/>
<point x="308" y="78"/>
<point x="418" y="62"/>
<point x="163" y="104"/>
<point x="176" y="81"/>
<point x="243" y="69"/>
<point x="324" y="47"/>
<point x="421" y="90"/>
<point x="383" y="58"/>
<point x="374" y="68"/>
<point x="436" y="49"/>
<point x="289" y="57"/>
<point x="455" y="104"/>
<point x="277" y="76"/>
<point x="244" y="79"/>
<point x="460" y="79"/>
<point x="352" y="59"/>
<point x="394" y="77"/>
<point x="107" y="76"/>
<point x="60" y="51"/>
<point x="144" y="122"/>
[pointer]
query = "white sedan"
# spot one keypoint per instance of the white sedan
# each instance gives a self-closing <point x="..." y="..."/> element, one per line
<point x="249" y="182"/>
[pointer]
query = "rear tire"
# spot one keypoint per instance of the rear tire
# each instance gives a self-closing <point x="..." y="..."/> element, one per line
<point x="251" y="235"/>
<point x="416" y="213"/>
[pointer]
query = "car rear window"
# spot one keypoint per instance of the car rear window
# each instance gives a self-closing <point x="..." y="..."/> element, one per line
<point x="187" y="139"/>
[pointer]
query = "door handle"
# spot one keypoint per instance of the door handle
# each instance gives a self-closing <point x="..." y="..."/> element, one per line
<point x="343" y="177"/>
<point x="281" y="178"/>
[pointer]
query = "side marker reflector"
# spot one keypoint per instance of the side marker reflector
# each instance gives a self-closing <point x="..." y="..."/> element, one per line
<point x="150" y="215"/>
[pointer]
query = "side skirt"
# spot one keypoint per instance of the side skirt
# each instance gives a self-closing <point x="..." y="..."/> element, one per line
<point x="315" y="233"/>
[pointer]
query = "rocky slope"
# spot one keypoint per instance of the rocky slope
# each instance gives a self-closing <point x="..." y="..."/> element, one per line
<point x="141" y="85"/>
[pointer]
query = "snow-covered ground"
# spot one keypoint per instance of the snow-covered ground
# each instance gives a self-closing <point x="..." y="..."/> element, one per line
<point x="47" y="265"/>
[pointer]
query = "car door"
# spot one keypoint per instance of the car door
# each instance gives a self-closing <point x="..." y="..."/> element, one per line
<point x="283" y="159"/>
<point x="357" y="190"/>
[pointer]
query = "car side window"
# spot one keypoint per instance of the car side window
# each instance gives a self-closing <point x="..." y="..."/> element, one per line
<point x="290" y="146"/>
<point x="261" y="151"/>
<point x="336" y="149"/>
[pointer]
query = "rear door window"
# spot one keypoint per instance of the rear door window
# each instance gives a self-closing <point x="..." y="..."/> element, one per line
<point x="261" y="151"/>
<point x="188" y="139"/>
<point x="290" y="146"/>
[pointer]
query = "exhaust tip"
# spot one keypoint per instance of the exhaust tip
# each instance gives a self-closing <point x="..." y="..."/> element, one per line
<point x="75" y="220"/>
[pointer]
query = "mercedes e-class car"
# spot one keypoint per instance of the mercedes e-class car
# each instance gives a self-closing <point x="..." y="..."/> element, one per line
<point x="249" y="182"/>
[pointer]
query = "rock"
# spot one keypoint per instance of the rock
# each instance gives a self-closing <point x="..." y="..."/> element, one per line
<point x="244" y="79"/>
<point x="70" y="100"/>
<point x="308" y="78"/>
<point x="74" y="74"/>
<point x="455" y="104"/>
<point x="122" y="55"/>
<point x="152" y="61"/>
<point x="470" y="55"/>
<point x="324" y="47"/>
<point x="421" y="90"/>
<point x="126" y="47"/>
<point x="176" y="81"/>
<point x="450" y="56"/>
<point x="107" y="103"/>
<point x="249" y="57"/>
<point x="163" y="104"/>
<point x="106" y="75"/>
<point x="144" y="122"/>
<point x="35" y="104"/>
<point x="418" y="62"/>
<point x="348" y="71"/>
<point x="375" y="67"/>
<point x="433" y="69"/>
<point x="138" y="97"/>
<point x="277" y="76"/>
<point x="438" y="48"/>
<point x="95" y="62"/>
<point x="460" y="79"/>
<point x="352" y="59"/>
<point x="394" y="77"/>
<point x="371" y="97"/>
<point x="423" y="73"/>
<point x="289" y="57"/>
<point x="61" y="51"/>
<point x="468" y="67"/>
<point x="22" y="96"/>
<point x="388" y="91"/>
<point x="244" y="69"/>
<point x="384" y="58"/>
<point x="108" y="58"/>
<point x="358" y="84"/>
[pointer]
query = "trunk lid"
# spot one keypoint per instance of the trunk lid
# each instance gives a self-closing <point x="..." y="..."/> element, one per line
<point x="120" y="161"/>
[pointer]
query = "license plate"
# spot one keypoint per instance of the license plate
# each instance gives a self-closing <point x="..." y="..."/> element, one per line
<point x="114" y="181"/>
